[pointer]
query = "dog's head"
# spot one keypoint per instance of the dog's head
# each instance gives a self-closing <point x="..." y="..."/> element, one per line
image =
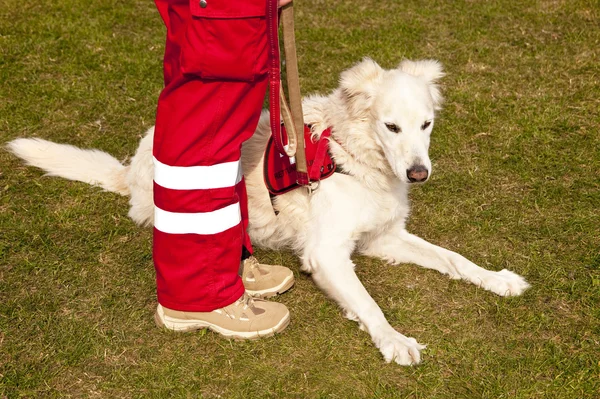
<point x="400" y="104"/>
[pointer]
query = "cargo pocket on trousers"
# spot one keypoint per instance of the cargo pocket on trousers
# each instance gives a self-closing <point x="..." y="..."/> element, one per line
<point x="224" y="48"/>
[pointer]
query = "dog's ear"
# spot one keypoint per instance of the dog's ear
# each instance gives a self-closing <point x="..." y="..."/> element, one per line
<point x="359" y="85"/>
<point x="429" y="70"/>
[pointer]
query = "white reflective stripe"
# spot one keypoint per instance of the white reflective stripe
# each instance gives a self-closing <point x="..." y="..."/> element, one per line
<point x="197" y="223"/>
<point x="221" y="175"/>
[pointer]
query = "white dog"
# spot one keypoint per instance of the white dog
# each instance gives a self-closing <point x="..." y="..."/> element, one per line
<point x="381" y="124"/>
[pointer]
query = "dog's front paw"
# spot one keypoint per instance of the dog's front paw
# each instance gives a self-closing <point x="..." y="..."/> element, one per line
<point x="505" y="283"/>
<point x="396" y="347"/>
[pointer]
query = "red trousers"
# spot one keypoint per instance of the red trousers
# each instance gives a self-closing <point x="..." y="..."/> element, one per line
<point x="215" y="71"/>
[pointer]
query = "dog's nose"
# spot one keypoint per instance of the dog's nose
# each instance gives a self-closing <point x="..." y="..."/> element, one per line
<point x="417" y="173"/>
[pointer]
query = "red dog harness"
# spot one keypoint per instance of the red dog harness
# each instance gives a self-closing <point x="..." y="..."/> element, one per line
<point x="280" y="170"/>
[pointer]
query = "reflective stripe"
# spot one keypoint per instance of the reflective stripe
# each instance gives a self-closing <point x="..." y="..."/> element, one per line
<point x="221" y="175"/>
<point x="197" y="223"/>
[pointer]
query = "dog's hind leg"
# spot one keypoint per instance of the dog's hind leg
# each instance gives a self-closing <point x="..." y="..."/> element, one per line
<point x="400" y="246"/>
<point x="333" y="272"/>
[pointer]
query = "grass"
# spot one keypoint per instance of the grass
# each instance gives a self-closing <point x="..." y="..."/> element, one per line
<point x="515" y="184"/>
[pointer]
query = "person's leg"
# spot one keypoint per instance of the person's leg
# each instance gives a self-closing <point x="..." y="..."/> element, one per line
<point x="199" y="194"/>
<point x="198" y="225"/>
<point x="200" y="127"/>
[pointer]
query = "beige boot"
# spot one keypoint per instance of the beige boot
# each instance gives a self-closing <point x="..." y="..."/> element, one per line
<point x="246" y="318"/>
<point x="265" y="281"/>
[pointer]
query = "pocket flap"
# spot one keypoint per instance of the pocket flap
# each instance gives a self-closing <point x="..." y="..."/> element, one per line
<point x="228" y="8"/>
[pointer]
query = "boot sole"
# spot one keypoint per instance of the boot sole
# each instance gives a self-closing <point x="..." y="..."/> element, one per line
<point x="178" y="325"/>
<point x="271" y="292"/>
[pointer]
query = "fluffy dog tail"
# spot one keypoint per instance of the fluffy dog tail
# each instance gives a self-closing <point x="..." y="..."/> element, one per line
<point x="89" y="166"/>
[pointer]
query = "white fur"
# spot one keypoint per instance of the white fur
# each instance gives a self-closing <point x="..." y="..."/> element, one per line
<point x="364" y="210"/>
<point x="72" y="163"/>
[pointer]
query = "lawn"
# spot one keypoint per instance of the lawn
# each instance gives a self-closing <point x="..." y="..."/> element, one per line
<point x="515" y="184"/>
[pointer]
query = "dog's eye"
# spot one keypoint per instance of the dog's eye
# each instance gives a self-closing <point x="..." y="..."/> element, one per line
<point x="425" y="125"/>
<point x="392" y="127"/>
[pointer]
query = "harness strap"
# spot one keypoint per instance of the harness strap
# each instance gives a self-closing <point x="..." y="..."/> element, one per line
<point x="322" y="149"/>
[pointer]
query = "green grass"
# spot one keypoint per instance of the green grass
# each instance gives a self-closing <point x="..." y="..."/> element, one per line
<point x="516" y="155"/>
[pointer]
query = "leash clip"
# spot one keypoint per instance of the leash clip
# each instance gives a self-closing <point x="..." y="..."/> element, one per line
<point x="313" y="186"/>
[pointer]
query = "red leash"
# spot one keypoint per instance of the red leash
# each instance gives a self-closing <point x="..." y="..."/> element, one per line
<point x="292" y="115"/>
<point x="274" y="73"/>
